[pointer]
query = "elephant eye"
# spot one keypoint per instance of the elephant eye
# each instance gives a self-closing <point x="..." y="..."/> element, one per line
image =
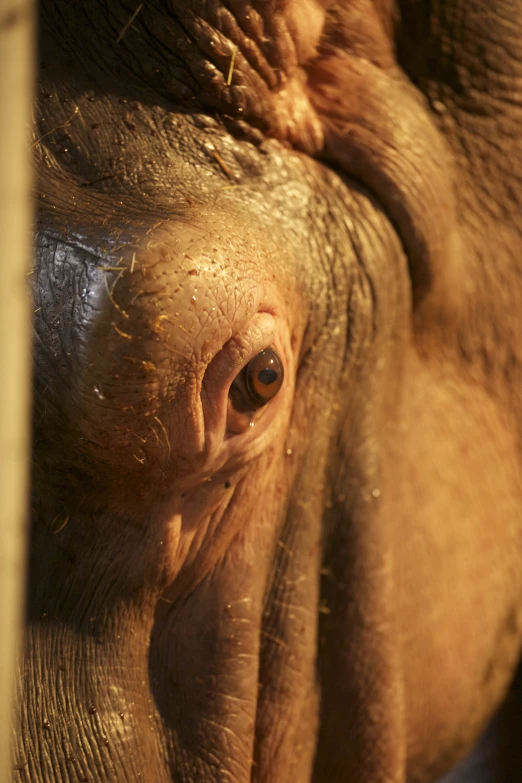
<point x="258" y="382"/>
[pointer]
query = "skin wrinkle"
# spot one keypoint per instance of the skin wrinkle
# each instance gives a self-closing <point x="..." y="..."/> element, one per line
<point x="82" y="697"/>
<point x="349" y="596"/>
<point x="299" y="129"/>
<point x="342" y="88"/>
<point x="214" y="616"/>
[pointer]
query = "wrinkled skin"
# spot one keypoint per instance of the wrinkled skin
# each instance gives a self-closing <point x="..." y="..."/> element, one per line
<point x="334" y="593"/>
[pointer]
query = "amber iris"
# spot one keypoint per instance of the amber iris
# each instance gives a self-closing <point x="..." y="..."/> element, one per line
<point x="258" y="382"/>
<point x="264" y="376"/>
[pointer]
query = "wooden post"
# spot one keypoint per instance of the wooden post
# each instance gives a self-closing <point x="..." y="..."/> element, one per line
<point x="16" y="92"/>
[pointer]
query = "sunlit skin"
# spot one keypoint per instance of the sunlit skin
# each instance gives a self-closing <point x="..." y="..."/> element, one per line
<point x="276" y="513"/>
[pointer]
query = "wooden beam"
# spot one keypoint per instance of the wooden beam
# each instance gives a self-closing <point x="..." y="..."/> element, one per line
<point x="16" y="216"/>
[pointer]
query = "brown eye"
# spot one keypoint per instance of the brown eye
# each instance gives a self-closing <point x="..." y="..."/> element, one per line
<point x="258" y="382"/>
<point x="264" y="376"/>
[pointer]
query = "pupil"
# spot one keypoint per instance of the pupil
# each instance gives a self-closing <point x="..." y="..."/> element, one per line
<point x="267" y="376"/>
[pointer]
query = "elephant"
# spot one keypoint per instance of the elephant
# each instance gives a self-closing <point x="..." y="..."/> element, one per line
<point x="276" y="510"/>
